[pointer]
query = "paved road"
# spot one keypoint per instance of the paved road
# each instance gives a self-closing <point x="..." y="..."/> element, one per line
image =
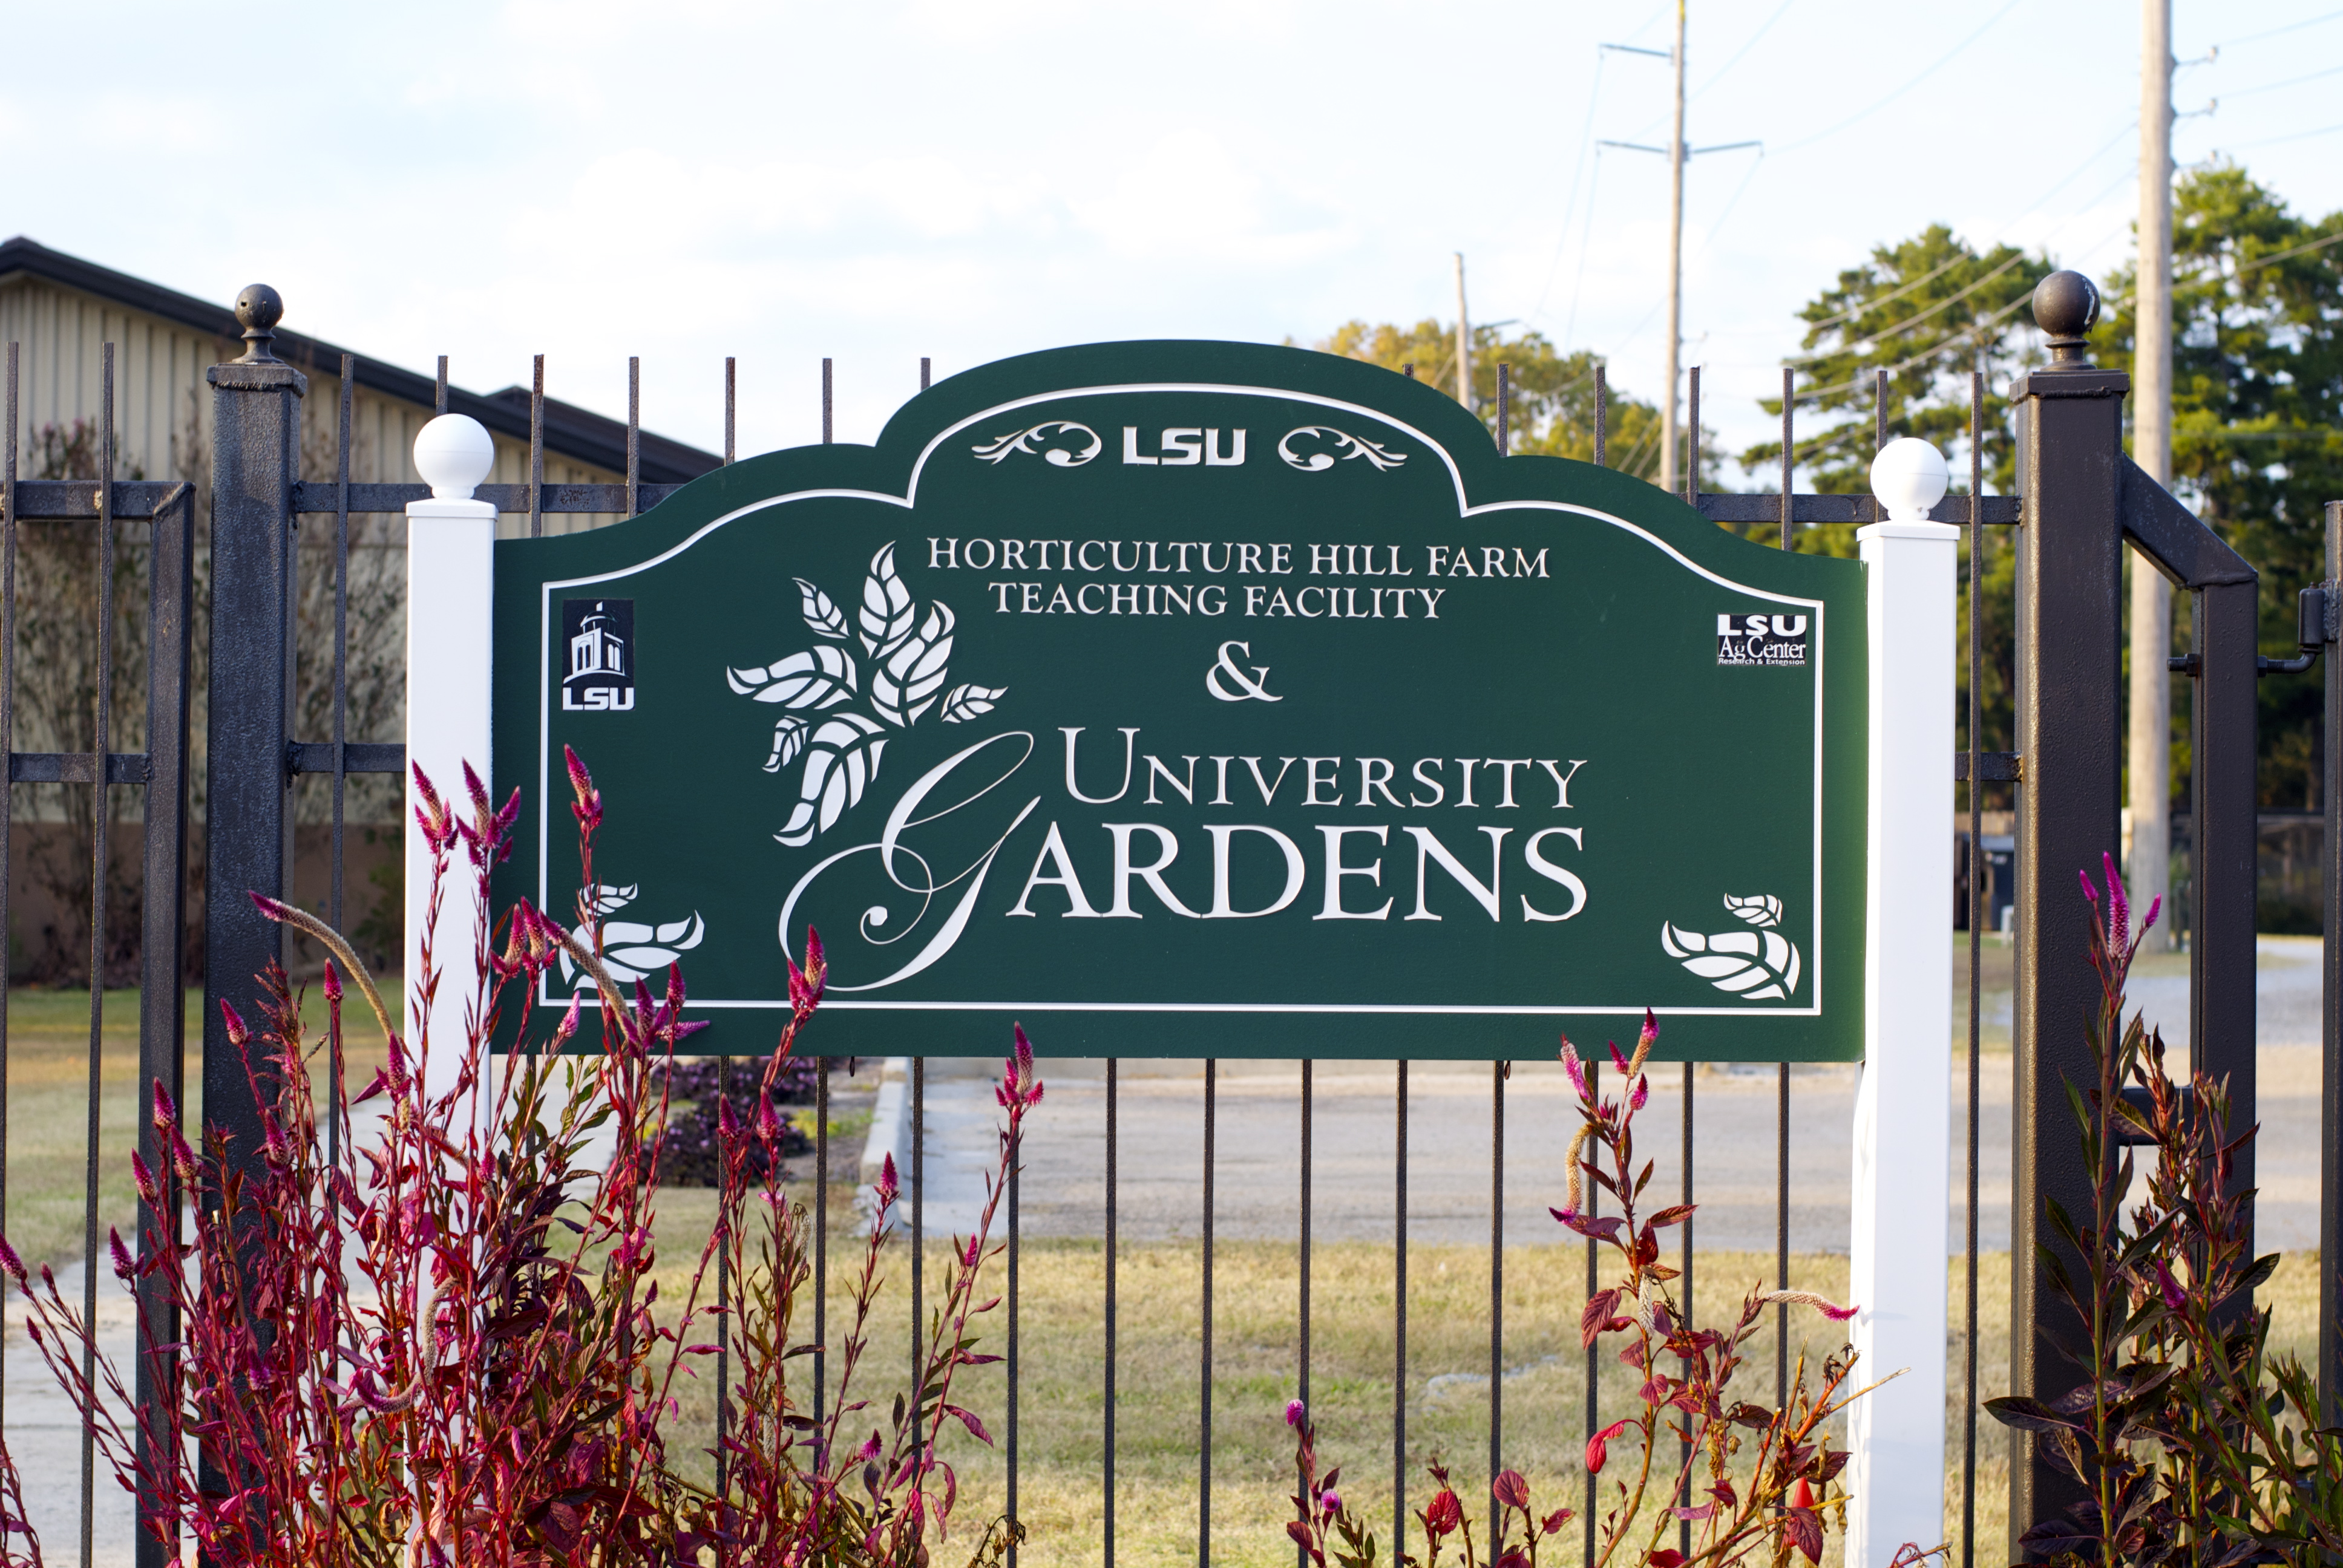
<point x="1258" y="1139"/>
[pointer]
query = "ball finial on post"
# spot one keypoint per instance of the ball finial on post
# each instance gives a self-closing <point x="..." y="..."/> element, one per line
<point x="1909" y="476"/>
<point x="454" y="453"/>
<point x="2067" y="306"/>
<point x="259" y="309"/>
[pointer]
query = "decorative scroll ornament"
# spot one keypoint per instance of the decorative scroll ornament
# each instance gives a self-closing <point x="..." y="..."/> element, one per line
<point x="1033" y="443"/>
<point x="909" y="655"/>
<point x="1345" y="447"/>
<point x="1759" y="965"/>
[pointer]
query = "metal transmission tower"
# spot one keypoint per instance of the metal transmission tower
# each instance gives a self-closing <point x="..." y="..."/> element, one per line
<point x="1677" y="153"/>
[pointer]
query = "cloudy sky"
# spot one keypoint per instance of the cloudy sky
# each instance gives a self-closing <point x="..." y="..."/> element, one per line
<point x="879" y="181"/>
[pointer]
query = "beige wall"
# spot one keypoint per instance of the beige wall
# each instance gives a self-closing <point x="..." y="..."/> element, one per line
<point x="163" y="404"/>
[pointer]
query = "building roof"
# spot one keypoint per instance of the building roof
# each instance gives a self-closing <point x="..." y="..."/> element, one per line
<point x="570" y="431"/>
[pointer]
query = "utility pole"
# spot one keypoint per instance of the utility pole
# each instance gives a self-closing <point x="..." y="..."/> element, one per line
<point x="1463" y="340"/>
<point x="1676" y="265"/>
<point x="1677" y="155"/>
<point x="2150" y="747"/>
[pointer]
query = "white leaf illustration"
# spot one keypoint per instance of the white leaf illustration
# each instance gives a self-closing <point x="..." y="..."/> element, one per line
<point x="1758" y="909"/>
<point x="887" y="610"/>
<point x="964" y="701"/>
<point x="630" y="949"/>
<point x="789" y="739"/>
<point x="1756" y="966"/>
<point x="842" y="759"/>
<point x="822" y="611"/>
<point x="820" y="677"/>
<point x="903" y="684"/>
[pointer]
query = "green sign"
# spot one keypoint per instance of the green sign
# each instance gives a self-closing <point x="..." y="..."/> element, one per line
<point x="1200" y="699"/>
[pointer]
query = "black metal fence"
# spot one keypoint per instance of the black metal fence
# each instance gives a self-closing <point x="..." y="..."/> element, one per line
<point x="2080" y="502"/>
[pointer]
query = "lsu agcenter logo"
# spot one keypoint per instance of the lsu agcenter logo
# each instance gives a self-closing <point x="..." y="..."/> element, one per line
<point x="598" y="635"/>
<point x="1776" y="639"/>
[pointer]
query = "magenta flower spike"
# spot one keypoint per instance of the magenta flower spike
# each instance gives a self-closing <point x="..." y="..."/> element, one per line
<point x="2118" y="906"/>
<point x="1293" y="1413"/>
<point x="1571" y="1065"/>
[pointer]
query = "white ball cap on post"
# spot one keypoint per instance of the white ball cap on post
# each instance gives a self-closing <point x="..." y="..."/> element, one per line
<point x="454" y="453"/>
<point x="1908" y="476"/>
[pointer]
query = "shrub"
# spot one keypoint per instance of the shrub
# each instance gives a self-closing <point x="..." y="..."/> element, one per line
<point x="444" y="1349"/>
<point x="1751" y="1480"/>
<point x="2193" y="1444"/>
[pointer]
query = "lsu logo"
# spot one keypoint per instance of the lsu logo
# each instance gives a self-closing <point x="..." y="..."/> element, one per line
<point x="598" y="635"/>
<point x="1768" y="638"/>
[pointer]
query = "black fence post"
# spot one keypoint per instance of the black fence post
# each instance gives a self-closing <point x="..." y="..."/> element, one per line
<point x="2071" y="744"/>
<point x="256" y="458"/>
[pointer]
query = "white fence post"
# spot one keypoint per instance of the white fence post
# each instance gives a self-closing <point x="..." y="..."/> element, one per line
<point x="450" y="565"/>
<point x="1897" y="1256"/>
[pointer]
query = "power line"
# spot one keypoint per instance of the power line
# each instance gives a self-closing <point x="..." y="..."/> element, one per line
<point x="1586" y="248"/>
<point x="1940" y="62"/>
<point x="2290" y="82"/>
<point x="1946" y="303"/>
<point x="1762" y="29"/>
<point x="2290" y="27"/>
<point x="1578" y="168"/>
<point x="2274" y="141"/>
<point x="2278" y="256"/>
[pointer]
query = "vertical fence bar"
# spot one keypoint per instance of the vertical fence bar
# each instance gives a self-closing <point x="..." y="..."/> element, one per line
<point x="924" y="364"/>
<point x="341" y="675"/>
<point x="439" y="389"/>
<point x="341" y="706"/>
<point x="1691" y="1069"/>
<point x="1016" y="1159"/>
<point x="1602" y="415"/>
<point x="1976" y="961"/>
<point x="1112" y="1199"/>
<point x="2330" y="1070"/>
<point x="1302" y="1307"/>
<point x="634" y="435"/>
<point x="723" y="1324"/>
<point x="1692" y="440"/>
<point x="162" y="952"/>
<point x="919" y="1218"/>
<point x="1782" y="1085"/>
<point x="100" y="743"/>
<point x="723" y="1063"/>
<point x="537" y="447"/>
<point x="1399" y="1314"/>
<point x="820" y="1235"/>
<point x="1593" y="1199"/>
<point x="1593" y="1060"/>
<point x="1497" y="1071"/>
<point x="1505" y="409"/>
<point x="731" y="407"/>
<point x="826" y="427"/>
<point x="1204" y="1422"/>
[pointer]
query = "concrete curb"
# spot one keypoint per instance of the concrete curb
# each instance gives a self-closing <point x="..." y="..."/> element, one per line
<point x="889" y="1134"/>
